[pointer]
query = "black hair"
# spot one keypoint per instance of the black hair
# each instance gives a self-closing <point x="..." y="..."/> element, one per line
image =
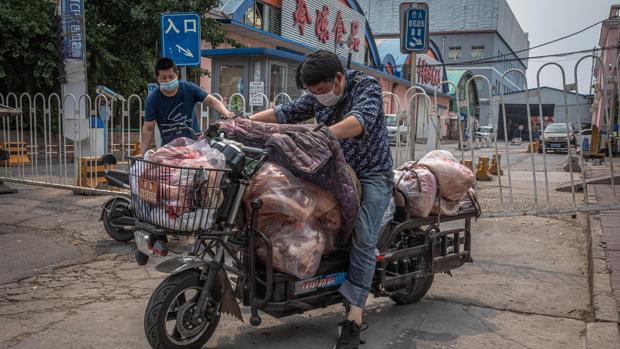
<point x="163" y="64"/>
<point x="317" y="67"/>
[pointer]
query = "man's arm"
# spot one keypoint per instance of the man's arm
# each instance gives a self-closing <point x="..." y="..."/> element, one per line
<point x="298" y="110"/>
<point x="215" y="103"/>
<point x="268" y="115"/>
<point x="350" y="127"/>
<point x="148" y="130"/>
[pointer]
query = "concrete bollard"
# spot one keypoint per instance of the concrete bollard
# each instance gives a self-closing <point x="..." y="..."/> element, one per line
<point x="494" y="165"/>
<point x="482" y="171"/>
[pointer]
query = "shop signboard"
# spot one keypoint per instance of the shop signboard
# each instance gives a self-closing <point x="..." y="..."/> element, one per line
<point x="325" y="24"/>
<point x="429" y="71"/>
<point x="257" y="87"/>
<point x="73" y="29"/>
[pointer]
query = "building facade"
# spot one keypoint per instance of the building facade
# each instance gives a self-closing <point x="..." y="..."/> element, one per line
<point x="482" y="36"/>
<point x="276" y="35"/>
<point x="610" y="37"/>
<point x="556" y="105"/>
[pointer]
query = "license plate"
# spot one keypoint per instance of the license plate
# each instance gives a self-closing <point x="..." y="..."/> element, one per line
<point x="556" y="145"/>
<point x="143" y="242"/>
<point x="319" y="282"/>
<point x="148" y="190"/>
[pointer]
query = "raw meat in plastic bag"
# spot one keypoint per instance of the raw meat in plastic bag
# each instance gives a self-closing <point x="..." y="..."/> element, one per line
<point x="297" y="247"/>
<point x="300" y="218"/>
<point x="185" y="188"/>
<point x="446" y="207"/>
<point x="453" y="178"/>
<point x="419" y="185"/>
<point x="452" y="208"/>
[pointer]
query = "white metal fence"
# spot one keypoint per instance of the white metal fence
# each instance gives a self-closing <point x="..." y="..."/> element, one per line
<point x="57" y="142"/>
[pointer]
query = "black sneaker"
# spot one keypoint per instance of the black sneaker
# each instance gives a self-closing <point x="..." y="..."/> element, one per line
<point x="349" y="335"/>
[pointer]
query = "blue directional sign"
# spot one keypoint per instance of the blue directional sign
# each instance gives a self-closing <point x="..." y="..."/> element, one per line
<point x="180" y="38"/>
<point x="414" y="27"/>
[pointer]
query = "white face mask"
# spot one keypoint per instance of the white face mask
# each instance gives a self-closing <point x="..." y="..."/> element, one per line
<point x="330" y="98"/>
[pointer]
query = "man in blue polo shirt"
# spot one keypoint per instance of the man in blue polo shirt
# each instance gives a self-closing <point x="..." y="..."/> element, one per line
<point x="172" y="104"/>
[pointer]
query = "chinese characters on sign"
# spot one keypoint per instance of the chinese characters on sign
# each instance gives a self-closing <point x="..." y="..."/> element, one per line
<point x="339" y="29"/>
<point x="301" y="16"/>
<point x="73" y="29"/>
<point x="324" y="24"/>
<point x="353" y="39"/>
<point x="416" y="23"/>
<point x="180" y="38"/>
<point x="429" y="71"/>
<point x="321" y="24"/>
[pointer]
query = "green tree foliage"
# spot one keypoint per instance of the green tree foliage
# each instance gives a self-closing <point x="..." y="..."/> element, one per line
<point x="122" y="42"/>
<point x="123" y="39"/>
<point x="28" y="54"/>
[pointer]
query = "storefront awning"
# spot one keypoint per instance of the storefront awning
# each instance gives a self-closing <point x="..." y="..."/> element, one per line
<point x="252" y="51"/>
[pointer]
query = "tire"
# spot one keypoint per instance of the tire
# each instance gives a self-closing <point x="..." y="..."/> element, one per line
<point x="417" y="290"/>
<point x="157" y="310"/>
<point x="112" y="209"/>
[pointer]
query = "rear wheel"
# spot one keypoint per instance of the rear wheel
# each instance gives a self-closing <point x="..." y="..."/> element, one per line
<point x="415" y="291"/>
<point x="168" y="322"/>
<point x="116" y="208"/>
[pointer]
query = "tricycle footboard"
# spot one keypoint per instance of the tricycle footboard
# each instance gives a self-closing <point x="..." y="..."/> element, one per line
<point x="450" y="249"/>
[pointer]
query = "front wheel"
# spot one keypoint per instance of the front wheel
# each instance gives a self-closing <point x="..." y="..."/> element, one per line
<point x="415" y="291"/>
<point x="168" y="320"/>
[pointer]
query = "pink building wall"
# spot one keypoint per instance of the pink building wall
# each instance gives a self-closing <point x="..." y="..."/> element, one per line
<point x="610" y="36"/>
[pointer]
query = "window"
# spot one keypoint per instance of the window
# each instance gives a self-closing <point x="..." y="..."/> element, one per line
<point x="254" y="16"/>
<point x="454" y="53"/>
<point x="477" y="52"/>
<point x="231" y="82"/>
<point x="277" y="81"/>
<point x="264" y="17"/>
<point x="291" y="83"/>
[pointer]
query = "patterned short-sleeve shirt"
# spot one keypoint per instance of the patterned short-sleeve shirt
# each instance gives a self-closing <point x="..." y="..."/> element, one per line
<point x="367" y="153"/>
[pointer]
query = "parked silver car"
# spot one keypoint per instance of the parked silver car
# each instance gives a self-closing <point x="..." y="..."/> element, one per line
<point x="396" y="128"/>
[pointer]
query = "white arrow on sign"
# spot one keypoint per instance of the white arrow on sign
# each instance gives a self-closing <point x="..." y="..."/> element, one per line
<point x="185" y="51"/>
<point x="415" y="42"/>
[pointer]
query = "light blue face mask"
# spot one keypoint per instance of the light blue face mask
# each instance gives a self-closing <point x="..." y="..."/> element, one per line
<point x="169" y="86"/>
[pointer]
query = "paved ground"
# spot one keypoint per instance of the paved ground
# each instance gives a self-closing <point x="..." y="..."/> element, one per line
<point x="65" y="284"/>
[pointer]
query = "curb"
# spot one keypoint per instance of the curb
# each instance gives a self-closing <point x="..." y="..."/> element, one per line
<point x="602" y="328"/>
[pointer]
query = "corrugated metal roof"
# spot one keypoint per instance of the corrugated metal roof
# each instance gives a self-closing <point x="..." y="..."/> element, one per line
<point x="450" y="15"/>
<point x="229" y="6"/>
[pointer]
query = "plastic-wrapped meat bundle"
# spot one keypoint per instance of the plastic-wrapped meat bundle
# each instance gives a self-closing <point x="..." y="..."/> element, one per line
<point x="310" y="153"/>
<point x="452" y="208"/>
<point x="178" y="200"/>
<point x="419" y="185"/>
<point x="297" y="247"/>
<point x="446" y="207"/>
<point x="453" y="178"/>
<point x="301" y="219"/>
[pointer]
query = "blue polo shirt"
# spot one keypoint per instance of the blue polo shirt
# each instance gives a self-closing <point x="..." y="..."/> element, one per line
<point x="177" y="109"/>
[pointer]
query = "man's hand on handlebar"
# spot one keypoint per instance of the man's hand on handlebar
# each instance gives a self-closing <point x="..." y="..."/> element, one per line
<point x="229" y="115"/>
